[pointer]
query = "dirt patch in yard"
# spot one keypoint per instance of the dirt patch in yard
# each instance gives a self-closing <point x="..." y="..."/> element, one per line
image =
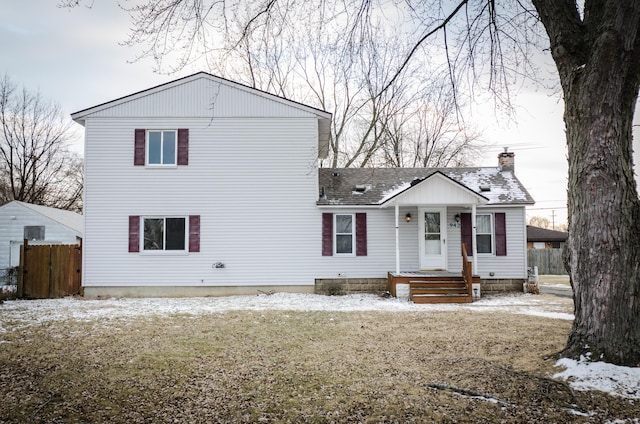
<point x="279" y="366"/>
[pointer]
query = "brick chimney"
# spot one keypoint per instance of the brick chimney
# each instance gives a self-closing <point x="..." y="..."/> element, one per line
<point x="506" y="160"/>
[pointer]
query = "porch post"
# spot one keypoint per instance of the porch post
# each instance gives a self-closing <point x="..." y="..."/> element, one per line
<point x="397" y="240"/>
<point x="475" y="240"/>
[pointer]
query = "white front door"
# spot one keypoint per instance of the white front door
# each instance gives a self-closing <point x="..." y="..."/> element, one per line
<point x="433" y="238"/>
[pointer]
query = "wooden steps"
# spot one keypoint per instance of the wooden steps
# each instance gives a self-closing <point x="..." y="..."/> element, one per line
<point x="433" y="287"/>
<point x="451" y="290"/>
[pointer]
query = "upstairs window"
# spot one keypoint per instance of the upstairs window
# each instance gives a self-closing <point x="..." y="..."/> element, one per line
<point x="158" y="148"/>
<point x="162" y="147"/>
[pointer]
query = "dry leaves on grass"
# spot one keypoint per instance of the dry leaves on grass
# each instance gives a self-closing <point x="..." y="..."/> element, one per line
<point x="295" y="367"/>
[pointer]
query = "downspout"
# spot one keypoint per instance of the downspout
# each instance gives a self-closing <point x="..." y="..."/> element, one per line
<point x="397" y="239"/>
<point x="474" y="243"/>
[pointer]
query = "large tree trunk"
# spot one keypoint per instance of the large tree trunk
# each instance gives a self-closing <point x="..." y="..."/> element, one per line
<point x="598" y="62"/>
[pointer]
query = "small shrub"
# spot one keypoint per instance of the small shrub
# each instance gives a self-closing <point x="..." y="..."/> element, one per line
<point x="334" y="288"/>
<point x="8" y="293"/>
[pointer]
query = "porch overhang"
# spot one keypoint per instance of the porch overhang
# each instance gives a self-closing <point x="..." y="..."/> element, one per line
<point x="435" y="190"/>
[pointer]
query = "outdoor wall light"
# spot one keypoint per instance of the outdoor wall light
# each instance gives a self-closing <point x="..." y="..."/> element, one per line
<point x="457" y="218"/>
<point x="407" y="217"/>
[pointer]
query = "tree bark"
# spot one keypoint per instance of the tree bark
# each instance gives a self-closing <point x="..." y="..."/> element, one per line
<point x="598" y="60"/>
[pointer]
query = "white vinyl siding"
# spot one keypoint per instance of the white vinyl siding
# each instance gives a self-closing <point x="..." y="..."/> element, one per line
<point x="380" y="258"/>
<point x="203" y="98"/>
<point x="513" y="265"/>
<point x="251" y="180"/>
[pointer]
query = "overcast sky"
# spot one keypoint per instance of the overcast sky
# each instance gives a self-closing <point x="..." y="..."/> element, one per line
<point x="74" y="58"/>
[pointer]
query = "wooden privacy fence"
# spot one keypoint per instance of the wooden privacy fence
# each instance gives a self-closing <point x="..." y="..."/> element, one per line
<point x="49" y="270"/>
<point x="548" y="261"/>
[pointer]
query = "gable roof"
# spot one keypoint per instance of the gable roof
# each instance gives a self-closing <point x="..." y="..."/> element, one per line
<point x="72" y="220"/>
<point x="81" y="114"/>
<point x="206" y="95"/>
<point x="377" y="186"/>
<point x="543" y="234"/>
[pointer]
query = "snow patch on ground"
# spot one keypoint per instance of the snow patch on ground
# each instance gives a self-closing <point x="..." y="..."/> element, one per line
<point x="582" y="375"/>
<point x="586" y="375"/>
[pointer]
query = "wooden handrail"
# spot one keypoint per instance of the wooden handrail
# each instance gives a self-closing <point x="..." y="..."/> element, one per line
<point x="467" y="270"/>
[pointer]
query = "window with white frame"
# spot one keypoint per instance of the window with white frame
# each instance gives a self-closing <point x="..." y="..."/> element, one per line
<point x="164" y="234"/>
<point x="162" y="147"/>
<point x="484" y="233"/>
<point x="34" y="232"/>
<point x="344" y="237"/>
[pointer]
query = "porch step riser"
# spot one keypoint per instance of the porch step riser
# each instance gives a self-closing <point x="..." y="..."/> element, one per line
<point x="439" y="288"/>
<point x="439" y="291"/>
<point x="442" y="299"/>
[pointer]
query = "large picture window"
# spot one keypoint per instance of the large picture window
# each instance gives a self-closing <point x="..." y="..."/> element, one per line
<point x="162" y="147"/>
<point x="344" y="234"/>
<point x="164" y="234"/>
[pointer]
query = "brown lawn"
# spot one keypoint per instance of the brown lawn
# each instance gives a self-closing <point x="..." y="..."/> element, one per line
<point x="274" y="366"/>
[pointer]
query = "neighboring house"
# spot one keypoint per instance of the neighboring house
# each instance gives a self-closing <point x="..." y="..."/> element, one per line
<point x="38" y="224"/>
<point x="542" y="238"/>
<point x="203" y="186"/>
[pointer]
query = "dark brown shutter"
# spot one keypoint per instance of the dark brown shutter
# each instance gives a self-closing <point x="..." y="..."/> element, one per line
<point x="466" y="232"/>
<point x="327" y="234"/>
<point x="361" y="234"/>
<point x="501" y="234"/>
<point x="194" y="233"/>
<point x="139" y="142"/>
<point x="183" y="146"/>
<point x="134" y="233"/>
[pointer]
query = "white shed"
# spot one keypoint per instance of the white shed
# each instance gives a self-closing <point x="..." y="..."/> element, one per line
<point x="38" y="224"/>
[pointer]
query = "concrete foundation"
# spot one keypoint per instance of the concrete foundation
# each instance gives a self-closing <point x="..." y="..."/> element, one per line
<point x="338" y="286"/>
<point x="326" y="286"/>
<point x="195" y="291"/>
<point x="505" y="285"/>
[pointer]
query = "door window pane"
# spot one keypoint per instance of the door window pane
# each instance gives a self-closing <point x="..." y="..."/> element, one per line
<point x="432" y="245"/>
<point x="432" y="222"/>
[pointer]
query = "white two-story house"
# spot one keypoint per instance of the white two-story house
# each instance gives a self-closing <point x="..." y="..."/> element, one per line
<point x="203" y="186"/>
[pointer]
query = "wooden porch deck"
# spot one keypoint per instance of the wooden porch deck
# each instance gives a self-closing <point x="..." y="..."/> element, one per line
<point x="437" y="286"/>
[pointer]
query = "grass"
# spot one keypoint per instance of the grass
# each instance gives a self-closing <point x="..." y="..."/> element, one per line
<point x="295" y="367"/>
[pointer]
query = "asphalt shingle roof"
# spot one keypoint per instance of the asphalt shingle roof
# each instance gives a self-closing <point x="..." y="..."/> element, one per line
<point x="374" y="186"/>
<point x="543" y="234"/>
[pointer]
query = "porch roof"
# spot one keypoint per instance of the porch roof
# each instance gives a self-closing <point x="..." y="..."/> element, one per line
<point x="388" y="186"/>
